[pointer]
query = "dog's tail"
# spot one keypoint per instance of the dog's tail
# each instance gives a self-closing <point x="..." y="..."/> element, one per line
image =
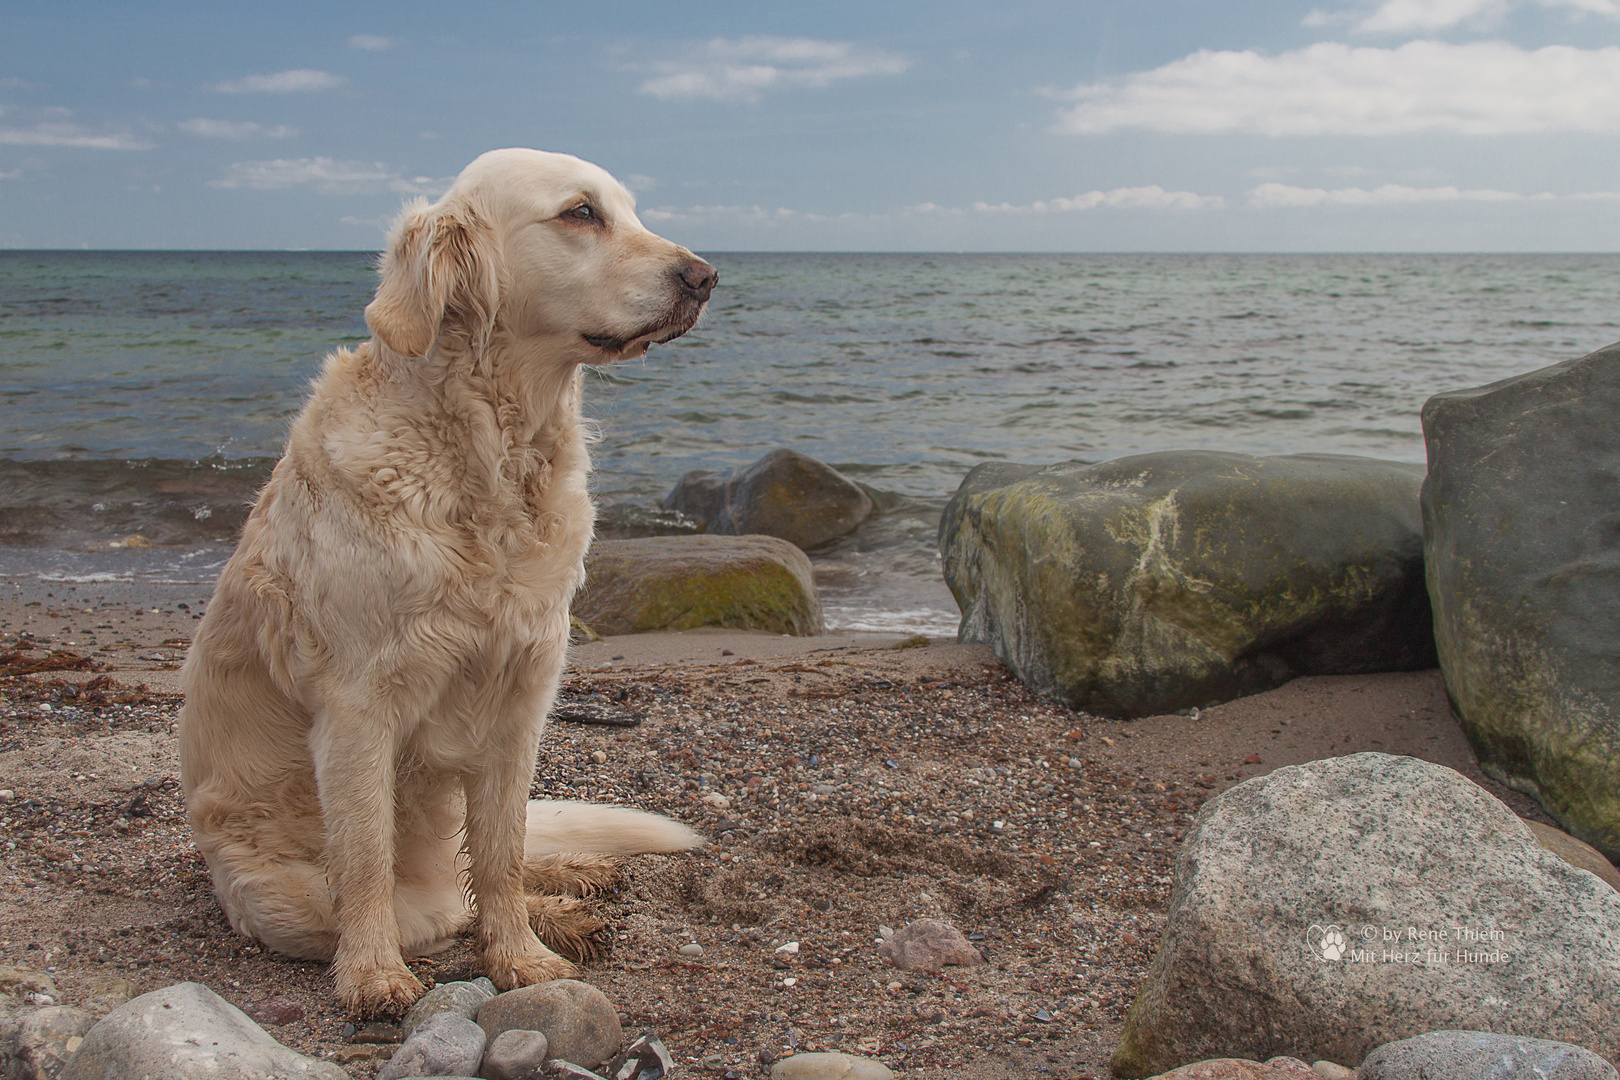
<point x="556" y="827"/>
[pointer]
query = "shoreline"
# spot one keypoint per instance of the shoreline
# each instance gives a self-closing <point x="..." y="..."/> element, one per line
<point x="843" y="782"/>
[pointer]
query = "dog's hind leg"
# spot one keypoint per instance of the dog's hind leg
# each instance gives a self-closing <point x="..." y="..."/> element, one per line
<point x="566" y="924"/>
<point x="569" y="874"/>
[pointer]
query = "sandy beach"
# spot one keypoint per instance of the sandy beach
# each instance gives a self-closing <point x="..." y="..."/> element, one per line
<point x="845" y="784"/>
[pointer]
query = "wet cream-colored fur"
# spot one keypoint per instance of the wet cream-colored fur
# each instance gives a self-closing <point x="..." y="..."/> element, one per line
<point x="366" y="693"/>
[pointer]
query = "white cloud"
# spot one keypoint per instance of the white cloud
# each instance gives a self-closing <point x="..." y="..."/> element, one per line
<point x="753" y="214"/>
<point x="71" y="135"/>
<point x="372" y="42"/>
<point x="234" y="129"/>
<point x="1405" y="16"/>
<point x="1481" y="88"/>
<point x="1284" y="195"/>
<point x="328" y="176"/>
<point x="1396" y="16"/>
<point x="1152" y="197"/>
<point x="741" y="69"/>
<point x="297" y="81"/>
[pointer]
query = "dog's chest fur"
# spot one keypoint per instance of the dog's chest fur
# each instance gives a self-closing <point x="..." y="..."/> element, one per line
<point x="476" y="521"/>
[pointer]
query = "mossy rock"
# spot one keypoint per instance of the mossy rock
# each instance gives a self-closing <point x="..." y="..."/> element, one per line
<point x="1165" y="581"/>
<point x="684" y="582"/>
<point x="1522" y="533"/>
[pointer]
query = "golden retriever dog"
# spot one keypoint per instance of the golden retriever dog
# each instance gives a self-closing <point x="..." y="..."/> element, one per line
<point x="366" y="693"/>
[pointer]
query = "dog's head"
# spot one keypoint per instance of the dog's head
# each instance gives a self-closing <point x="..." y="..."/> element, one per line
<point x="544" y="247"/>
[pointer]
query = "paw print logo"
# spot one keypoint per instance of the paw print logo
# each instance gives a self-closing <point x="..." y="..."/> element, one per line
<point x="1327" y="942"/>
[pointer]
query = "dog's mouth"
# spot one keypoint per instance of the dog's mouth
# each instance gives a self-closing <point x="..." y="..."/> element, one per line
<point x="637" y="344"/>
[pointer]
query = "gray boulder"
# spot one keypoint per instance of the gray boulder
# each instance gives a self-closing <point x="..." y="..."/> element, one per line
<point x="513" y="1054"/>
<point x="784" y="494"/>
<point x="1480" y="1055"/>
<point x="1521" y="517"/>
<point x="458" y="998"/>
<point x="444" y="1045"/>
<point x="1328" y="908"/>
<point x="579" y="1022"/>
<point x="683" y="582"/>
<point x="185" y="1031"/>
<point x="1187" y="578"/>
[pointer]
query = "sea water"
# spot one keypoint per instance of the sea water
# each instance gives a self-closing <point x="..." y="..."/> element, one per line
<point x="149" y="392"/>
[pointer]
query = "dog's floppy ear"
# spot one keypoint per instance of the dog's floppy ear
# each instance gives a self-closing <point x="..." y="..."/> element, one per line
<point x="440" y="266"/>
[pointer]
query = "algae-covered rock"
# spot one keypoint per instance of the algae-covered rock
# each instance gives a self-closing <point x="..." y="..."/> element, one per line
<point x="683" y="582"/>
<point x="1187" y="578"/>
<point x="1522" y="534"/>
<point x="1325" y="909"/>
<point x="784" y="494"/>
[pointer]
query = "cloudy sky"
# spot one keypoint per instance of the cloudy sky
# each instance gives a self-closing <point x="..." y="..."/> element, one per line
<point x="1088" y="125"/>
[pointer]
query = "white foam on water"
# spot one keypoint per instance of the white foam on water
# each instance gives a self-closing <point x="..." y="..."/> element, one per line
<point x="930" y="622"/>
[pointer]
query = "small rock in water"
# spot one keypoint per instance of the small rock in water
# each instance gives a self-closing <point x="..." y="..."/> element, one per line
<point x="459" y="998"/>
<point x="691" y="948"/>
<point x="513" y="1053"/>
<point x="830" y="1067"/>
<point x="645" y="1059"/>
<point x="1469" y="1055"/>
<point x="929" y="945"/>
<point x="276" y="1011"/>
<point x="445" y="1045"/>
<point x="579" y="1021"/>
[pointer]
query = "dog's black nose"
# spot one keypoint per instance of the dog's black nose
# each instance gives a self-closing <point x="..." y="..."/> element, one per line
<point x="699" y="278"/>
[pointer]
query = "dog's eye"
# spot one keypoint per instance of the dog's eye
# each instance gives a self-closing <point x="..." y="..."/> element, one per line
<point x="582" y="212"/>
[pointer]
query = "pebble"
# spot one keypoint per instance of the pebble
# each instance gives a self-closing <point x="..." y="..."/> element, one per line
<point x="443" y="1045"/>
<point x="458" y="998"/>
<point x="513" y="1053"/>
<point x="691" y="948"/>
<point x="557" y="1069"/>
<point x="580" y="1023"/>
<point x="1331" y="1070"/>
<point x="791" y="948"/>
<point x="830" y="1067"/>
<point x="645" y="1059"/>
<point x="929" y="945"/>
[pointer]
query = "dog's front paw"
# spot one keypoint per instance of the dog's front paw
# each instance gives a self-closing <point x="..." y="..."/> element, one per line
<point x="538" y="965"/>
<point x="376" y="991"/>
